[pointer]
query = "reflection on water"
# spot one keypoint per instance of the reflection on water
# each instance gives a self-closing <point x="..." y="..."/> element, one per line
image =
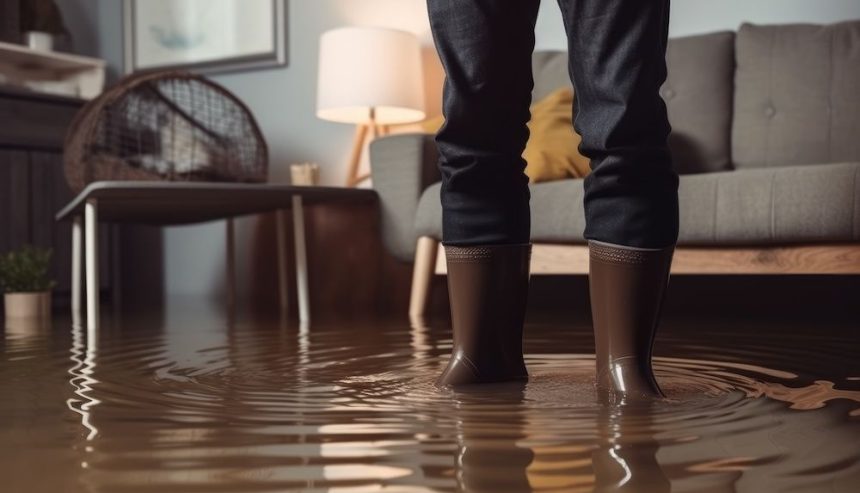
<point x="195" y="405"/>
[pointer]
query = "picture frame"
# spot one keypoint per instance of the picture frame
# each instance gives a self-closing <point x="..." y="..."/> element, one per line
<point x="204" y="36"/>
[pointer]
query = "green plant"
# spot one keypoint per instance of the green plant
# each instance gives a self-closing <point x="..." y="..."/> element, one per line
<point x="26" y="270"/>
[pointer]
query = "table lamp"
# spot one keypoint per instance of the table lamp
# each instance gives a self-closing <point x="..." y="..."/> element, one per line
<point x="370" y="77"/>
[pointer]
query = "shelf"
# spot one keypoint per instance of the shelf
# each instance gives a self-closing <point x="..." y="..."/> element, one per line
<point x="8" y="91"/>
<point x="23" y="56"/>
<point x="77" y="75"/>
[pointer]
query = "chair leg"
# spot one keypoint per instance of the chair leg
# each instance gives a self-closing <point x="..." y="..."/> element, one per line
<point x="422" y="276"/>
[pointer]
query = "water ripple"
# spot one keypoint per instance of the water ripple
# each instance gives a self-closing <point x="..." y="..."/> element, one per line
<point x="353" y="408"/>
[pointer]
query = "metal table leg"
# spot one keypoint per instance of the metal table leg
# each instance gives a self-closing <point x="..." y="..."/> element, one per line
<point x="283" y="289"/>
<point x="76" y="271"/>
<point x="231" y="266"/>
<point x="91" y="238"/>
<point x="301" y="259"/>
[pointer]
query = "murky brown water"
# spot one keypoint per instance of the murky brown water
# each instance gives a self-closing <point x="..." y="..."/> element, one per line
<point x="195" y="405"/>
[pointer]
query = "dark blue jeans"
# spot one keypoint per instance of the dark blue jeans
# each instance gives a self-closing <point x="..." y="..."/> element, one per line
<point x="617" y="64"/>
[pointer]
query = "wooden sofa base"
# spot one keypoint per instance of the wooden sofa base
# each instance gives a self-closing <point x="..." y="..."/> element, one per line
<point x="555" y="259"/>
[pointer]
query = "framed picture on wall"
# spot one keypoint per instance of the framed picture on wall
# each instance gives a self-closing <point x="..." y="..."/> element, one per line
<point x="206" y="36"/>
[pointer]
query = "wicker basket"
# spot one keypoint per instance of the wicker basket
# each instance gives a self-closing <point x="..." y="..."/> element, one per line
<point x="164" y="126"/>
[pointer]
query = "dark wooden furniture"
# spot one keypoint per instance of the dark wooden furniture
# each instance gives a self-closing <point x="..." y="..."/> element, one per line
<point x="32" y="183"/>
<point x="10" y="20"/>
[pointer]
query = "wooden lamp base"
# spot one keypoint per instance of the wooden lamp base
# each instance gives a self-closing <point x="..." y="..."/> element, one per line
<point x="364" y="134"/>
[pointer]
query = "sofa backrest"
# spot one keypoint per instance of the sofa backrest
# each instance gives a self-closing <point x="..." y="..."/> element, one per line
<point x="797" y="95"/>
<point x="698" y="94"/>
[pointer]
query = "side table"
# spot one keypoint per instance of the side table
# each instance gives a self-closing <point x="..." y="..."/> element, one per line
<point x="184" y="203"/>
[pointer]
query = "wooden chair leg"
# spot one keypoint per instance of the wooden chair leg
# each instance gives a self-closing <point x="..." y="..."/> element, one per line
<point x="422" y="275"/>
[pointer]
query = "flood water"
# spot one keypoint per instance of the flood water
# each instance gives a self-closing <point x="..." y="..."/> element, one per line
<point x="197" y="404"/>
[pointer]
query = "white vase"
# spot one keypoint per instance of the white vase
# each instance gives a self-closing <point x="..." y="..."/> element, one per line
<point x="40" y="40"/>
<point x="28" y="305"/>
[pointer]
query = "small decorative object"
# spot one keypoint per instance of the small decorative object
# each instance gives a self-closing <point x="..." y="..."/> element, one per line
<point x="25" y="282"/>
<point x="371" y="77"/>
<point x="204" y="35"/>
<point x="168" y="126"/>
<point x="40" y="40"/>
<point x="306" y="174"/>
<point x="41" y="22"/>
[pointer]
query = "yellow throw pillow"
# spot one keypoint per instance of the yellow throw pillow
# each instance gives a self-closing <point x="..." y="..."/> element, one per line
<point x="432" y="125"/>
<point x="552" y="151"/>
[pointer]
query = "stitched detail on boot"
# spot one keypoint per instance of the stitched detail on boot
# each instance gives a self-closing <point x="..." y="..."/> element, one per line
<point x="467" y="254"/>
<point x="617" y="255"/>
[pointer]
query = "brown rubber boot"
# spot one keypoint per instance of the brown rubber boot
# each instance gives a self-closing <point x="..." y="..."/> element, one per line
<point x="488" y="290"/>
<point x="627" y="287"/>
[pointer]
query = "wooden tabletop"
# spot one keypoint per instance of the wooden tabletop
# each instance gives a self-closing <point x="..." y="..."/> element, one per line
<point x="175" y="203"/>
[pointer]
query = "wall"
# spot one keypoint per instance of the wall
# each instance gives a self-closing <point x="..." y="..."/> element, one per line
<point x="283" y="99"/>
<point x="701" y="16"/>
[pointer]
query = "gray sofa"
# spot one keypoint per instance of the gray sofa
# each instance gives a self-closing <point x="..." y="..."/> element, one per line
<point x="766" y="137"/>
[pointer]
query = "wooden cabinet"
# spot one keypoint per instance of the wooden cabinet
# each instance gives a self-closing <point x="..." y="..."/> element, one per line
<point x="32" y="182"/>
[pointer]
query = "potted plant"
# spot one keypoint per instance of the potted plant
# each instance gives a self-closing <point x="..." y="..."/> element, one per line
<point x="25" y="282"/>
<point x="41" y="23"/>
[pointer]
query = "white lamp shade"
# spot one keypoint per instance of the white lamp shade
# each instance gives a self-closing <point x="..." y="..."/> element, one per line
<point x="370" y="68"/>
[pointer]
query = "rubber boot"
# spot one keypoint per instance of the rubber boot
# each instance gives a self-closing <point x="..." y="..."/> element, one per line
<point x="627" y="287"/>
<point x="488" y="291"/>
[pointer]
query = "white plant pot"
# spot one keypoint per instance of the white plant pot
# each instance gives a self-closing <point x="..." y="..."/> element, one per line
<point x="40" y="40"/>
<point x="28" y="305"/>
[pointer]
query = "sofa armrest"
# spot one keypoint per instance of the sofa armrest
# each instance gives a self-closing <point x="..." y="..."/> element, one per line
<point x="403" y="166"/>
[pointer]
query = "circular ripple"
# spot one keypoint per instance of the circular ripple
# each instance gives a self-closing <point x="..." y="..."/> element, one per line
<point x="252" y="408"/>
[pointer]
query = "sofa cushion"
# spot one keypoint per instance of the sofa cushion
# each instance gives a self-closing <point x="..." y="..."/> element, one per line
<point x="698" y="95"/>
<point x="793" y="204"/>
<point x="797" y="95"/>
<point x="550" y="73"/>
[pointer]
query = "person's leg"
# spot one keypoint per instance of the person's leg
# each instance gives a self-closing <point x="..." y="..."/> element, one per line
<point x="486" y="49"/>
<point x="617" y="65"/>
